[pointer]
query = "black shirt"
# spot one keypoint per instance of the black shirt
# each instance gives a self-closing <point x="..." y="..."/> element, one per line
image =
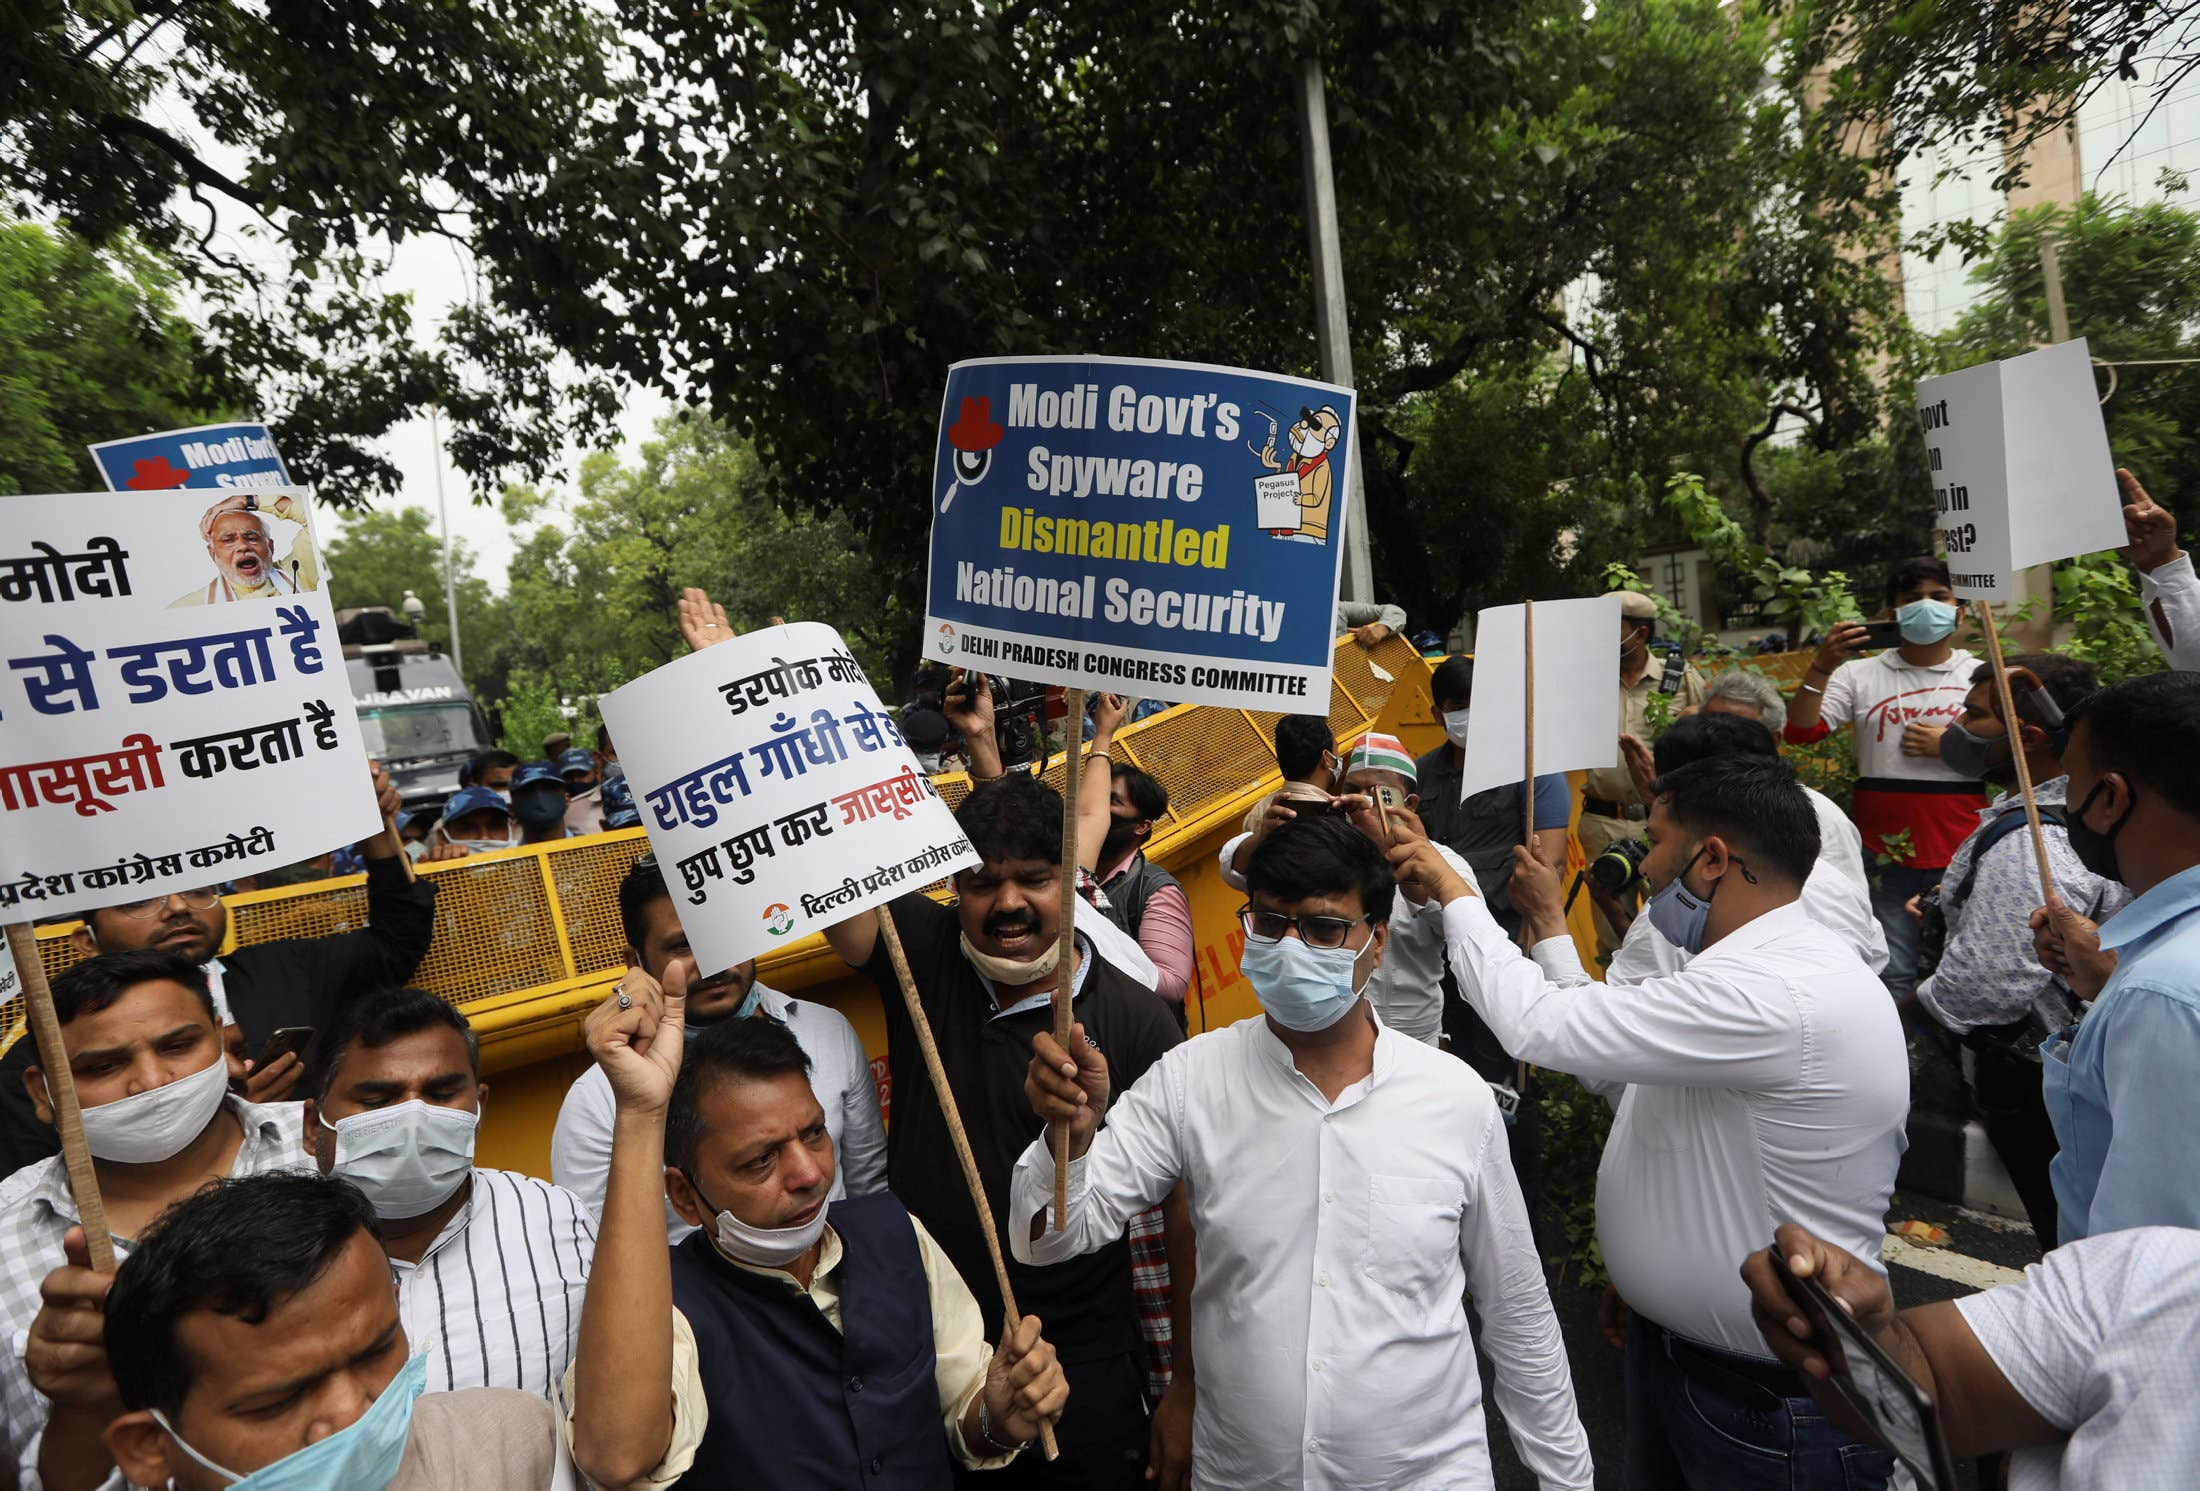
<point x="298" y="981"/>
<point x="1086" y="1304"/>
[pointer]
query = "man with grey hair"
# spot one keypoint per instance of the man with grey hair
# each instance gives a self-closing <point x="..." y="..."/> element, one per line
<point x="1748" y="693"/>
<point x="242" y="547"/>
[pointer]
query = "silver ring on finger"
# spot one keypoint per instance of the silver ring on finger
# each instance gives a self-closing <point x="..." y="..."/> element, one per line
<point x="626" y="1000"/>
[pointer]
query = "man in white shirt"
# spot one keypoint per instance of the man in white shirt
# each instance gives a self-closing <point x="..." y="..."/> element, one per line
<point x="2169" y="594"/>
<point x="1837" y="895"/>
<point x="1767" y="1078"/>
<point x="580" y="1145"/>
<point x="160" y="1121"/>
<point x="1349" y="1187"/>
<point x="491" y="1265"/>
<point x="2086" y="1369"/>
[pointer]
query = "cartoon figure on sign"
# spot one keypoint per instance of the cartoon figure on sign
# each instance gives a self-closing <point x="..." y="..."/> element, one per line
<point x="243" y="550"/>
<point x="973" y="436"/>
<point x="1299" y="511"/>
<point x="778" y="920"/>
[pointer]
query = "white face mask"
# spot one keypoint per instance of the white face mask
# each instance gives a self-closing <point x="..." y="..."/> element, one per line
<point x="407" y="1159"/>
<point x="1310" y="445"/>
<point x="146" y="1128"/>
<point x="767" y="1247"/>
<point x="1455" y="727"/>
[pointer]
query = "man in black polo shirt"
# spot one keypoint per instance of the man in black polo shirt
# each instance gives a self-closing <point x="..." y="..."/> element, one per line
<point x="986" y="970"/>
<point x="258" y="989"/>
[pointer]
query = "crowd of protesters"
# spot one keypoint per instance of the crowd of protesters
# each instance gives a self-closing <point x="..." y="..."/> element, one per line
<point x="739" y="1274"/>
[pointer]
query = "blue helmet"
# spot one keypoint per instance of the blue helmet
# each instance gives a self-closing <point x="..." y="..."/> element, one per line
<point x="618" y="805"/>
<point x="535" y="774"/>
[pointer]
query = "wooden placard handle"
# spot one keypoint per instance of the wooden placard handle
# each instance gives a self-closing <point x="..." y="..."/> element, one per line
<point x="53" y="1062"/>
<point x="1065" y="964"/>
<point x="955" y="1133"/>
<point x="2015" y="727"/>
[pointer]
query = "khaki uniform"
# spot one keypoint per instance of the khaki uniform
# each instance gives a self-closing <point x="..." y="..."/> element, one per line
<point x="1613" y="784"/>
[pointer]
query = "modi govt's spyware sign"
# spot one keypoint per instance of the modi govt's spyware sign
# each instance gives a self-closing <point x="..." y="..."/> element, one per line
<point x="229" y="455"/>
<point x="173" y="706"/>
<point x="1165" y="529"/>
<point x="776" y="789"/>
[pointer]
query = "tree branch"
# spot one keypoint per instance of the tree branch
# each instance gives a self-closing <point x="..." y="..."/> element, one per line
<point x="121" y="128"/>
<point x="1760" y="501"/>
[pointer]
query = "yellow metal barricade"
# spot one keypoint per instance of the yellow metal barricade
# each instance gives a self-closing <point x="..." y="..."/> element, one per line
<point x="528" y="940"/>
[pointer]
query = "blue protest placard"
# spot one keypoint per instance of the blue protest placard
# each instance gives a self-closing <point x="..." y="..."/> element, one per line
<point x="1165" y="529"/>
<point x="234" y="455"/>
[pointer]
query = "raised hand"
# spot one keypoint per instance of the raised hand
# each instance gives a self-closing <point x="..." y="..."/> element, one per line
<point x="66" y="1354"/>
<point x="2150" y="529"/>
<point x="702" y="620"/>
<point x="1641" y="769"/>
<point x="638" y="1035"/>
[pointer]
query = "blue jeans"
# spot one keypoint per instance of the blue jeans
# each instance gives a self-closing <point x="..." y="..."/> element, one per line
<point x="1686" y="1435"/>
<point x="1892" y="887"/>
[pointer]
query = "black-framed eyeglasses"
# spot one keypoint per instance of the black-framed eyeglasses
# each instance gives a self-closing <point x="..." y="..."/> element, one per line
<point x="1314" y="931"/>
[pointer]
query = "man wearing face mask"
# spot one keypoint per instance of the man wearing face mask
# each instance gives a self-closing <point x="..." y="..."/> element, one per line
<point x="1765" y="1078"/>
<point x="257" y="990"/>
<point x="1988" y="989"/>
<point x="792" y="1341"/>
<point x="1115" y="820"/>
<point x="1349" y="1187"/>
<point x="1484" y="828"/>
<point x="255" y="1343"/>
<point x="539" y="802"/>
<point x="986" y="971"/>
<point x="476" y="820"/>
<point x="491" y="1266"/>
<point x="1913" y="808"/>
<point x="1611" y="807"/>
<point x="160" y="1121"/>
<point x="580" y="1145"/>
<point x="2120" y="1088"/>
<point x="1306" y="754"/>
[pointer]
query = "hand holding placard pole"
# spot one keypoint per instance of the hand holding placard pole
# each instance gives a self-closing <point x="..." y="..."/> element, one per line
<point x="955" y="1133"/>
<point x="53" y="1061"/>
<point x="1527" y="754"/>
<point x="1065" y="966"/>
<point x="2015" y="727"/>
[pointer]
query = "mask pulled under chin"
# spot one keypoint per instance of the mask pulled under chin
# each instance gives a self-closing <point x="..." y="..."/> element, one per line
<point x="1012" y="971"/>
<point x="768" y="1247"/>
<point x="149" y="1127"/>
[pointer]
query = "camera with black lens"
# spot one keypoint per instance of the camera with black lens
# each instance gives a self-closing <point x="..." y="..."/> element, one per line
<point x="1019" y="719"/>
<point x="1619" y="868"/>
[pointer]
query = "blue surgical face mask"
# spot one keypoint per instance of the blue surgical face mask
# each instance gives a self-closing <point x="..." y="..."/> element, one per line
<point x="1302" y="988"/>
<point x="361" y="1457"/>
<point x="1926" y="622"/>
<point x="1678" y="913"/>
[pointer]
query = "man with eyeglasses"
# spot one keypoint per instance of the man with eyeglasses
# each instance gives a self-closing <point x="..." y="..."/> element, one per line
<point x="1765" y="1079"/>
<point x="1349" y="1187"/>
<point x="257" y="990"/>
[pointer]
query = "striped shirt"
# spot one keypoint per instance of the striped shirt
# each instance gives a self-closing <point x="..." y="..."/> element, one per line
<point x="36" y="1208"/>
<point x="496" y="1299"/>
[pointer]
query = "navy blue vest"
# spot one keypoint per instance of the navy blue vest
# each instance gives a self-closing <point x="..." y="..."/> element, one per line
<point x="795" y="1404"/>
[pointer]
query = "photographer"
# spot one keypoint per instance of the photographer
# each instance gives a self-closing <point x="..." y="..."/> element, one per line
<point x="1914" y="809"/>
<point x="1987" y="988"/>
<point x="1836" y="894"/>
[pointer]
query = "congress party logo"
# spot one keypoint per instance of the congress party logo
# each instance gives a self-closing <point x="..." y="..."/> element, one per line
<point x="778" y="920"/>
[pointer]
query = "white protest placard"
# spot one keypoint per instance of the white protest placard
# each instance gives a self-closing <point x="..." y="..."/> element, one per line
<point x="777" y="791"/>
<point x="173" y="711"/>
<point x="1576" y="692"/>
<point x="2020" y="467"/>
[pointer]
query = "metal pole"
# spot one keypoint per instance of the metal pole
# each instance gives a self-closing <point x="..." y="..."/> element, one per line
<point x="2058" y="312"/>
<point x="443" y="517"/>
<point x="1332" y="336"/>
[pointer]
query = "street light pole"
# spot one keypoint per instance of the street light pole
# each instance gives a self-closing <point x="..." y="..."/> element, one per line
<point x="1332" y="336"/>
<point x="443" y="517"/>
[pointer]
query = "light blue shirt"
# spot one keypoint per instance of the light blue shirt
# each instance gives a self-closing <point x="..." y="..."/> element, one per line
<point x="2124" y="1089"/>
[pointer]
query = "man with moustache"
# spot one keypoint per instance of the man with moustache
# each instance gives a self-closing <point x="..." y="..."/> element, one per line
<point x="985" y="970"/>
